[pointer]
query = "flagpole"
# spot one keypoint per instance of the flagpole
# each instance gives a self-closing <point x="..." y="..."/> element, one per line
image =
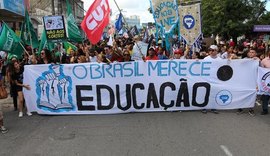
<point x="24" y="49"/>
<point x="31" y="42"/>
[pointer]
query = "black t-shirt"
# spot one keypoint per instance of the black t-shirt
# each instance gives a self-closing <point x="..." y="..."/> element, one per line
<point x="18" y="76"/>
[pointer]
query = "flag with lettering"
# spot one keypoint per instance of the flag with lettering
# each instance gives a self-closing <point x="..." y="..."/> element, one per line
<point x="96" y="19"/>
<point x="10" y="42"/>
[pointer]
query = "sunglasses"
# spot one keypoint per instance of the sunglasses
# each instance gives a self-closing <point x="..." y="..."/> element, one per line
<point x="126" y="55"/>
<point x="42" y="53"/>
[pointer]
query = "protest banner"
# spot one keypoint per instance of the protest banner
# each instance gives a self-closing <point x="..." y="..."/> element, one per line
<point x="263" y="81"/>
<point x="171" y="85"/>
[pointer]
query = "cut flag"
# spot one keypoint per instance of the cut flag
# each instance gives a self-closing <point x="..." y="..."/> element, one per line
<point x="96" y="19"/>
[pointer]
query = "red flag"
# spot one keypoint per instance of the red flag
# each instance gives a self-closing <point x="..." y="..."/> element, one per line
<point x="96" y="19"/>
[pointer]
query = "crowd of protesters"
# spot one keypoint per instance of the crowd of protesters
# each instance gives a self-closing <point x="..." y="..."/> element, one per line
<point x="120" y="51"/>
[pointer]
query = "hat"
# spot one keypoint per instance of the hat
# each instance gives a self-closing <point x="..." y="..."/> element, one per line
<point x="222" y="42"/>
<point x="214" y="47"/>
<point x="178" y="51"/>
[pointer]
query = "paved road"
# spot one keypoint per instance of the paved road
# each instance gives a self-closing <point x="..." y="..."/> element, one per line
<point x="137" y="134"/>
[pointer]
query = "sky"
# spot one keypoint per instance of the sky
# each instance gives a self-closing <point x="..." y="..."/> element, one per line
<point x="129" y="7"/>
<point x="134" y="7"/>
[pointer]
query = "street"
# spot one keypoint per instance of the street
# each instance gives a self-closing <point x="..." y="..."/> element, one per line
<point x="137" y="134"/>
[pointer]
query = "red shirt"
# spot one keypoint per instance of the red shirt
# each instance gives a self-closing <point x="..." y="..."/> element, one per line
<point x="151" y="58"/>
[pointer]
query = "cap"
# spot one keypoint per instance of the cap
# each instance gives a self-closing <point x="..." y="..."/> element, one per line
<point x="214" y="47"/>
<point x="178" y="51"/>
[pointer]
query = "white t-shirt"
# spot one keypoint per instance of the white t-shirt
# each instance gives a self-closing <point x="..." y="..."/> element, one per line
<point x="209" y="58"/>
<point x="93" y="59"/>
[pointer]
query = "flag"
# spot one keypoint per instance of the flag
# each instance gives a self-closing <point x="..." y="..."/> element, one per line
<point x="133" y="31"/>
<point x="68" y="47"/>
<point x="96" y="19"/>
<point x="74" y="33"/>
<point x="146" y="36"/>
<point x="10" y="42"/>
<point x="44" y="44"/>
<point x="28" y="34"/>
<point x="119" y="22"/>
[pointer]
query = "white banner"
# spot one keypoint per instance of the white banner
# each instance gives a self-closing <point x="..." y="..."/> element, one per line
<point x="263" y="81"/>
<point x="93" y="88"/>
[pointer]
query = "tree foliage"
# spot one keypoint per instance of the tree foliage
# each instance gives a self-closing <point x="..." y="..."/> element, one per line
<point x="231" y="18"/>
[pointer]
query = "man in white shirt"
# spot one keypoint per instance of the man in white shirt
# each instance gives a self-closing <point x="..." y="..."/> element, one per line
<point x="213" y="53"/>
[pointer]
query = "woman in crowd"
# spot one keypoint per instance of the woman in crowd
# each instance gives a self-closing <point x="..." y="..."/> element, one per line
<point x="17" y="76"/>
<point x="44" y="58"/>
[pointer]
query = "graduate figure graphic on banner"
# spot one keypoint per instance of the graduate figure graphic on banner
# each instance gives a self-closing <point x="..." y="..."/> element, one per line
<point x="166" y="18"/>
<point x="53" y="89"/>
<point x="190" y="24"/>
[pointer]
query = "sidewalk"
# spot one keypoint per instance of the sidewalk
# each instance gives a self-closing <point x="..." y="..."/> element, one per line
<point x="7" y="104"/>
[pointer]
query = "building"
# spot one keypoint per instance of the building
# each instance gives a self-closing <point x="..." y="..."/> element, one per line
<point x="133" y="20"/>
<point x="12" y="12"/>
<point x="41" y="8"/>
<point x="130" y="21"/>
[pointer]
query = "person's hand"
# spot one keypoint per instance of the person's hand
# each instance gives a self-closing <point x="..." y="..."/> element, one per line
<point x="27" y="87"/>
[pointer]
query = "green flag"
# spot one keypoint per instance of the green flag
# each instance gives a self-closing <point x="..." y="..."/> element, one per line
<point x="28" y="34"/>
<point x="68" y="46"/>
<point x="10" y="42"/>
<point x="74" y="33"/>
<point x="44" y="44"/>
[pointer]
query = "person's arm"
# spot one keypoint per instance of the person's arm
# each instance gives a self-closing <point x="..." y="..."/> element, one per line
<point x="22" y="85"/>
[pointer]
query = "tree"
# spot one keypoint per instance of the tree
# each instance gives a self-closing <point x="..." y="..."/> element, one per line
<point x="231" y="18"/>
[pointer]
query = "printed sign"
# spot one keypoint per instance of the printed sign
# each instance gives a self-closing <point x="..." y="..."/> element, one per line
<point x="55" y="28"/>
<point x="165" y="14"/>
<point x="190" y="23"/>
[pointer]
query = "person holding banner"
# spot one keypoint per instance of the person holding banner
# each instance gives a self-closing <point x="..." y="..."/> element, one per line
<point x="265" y="63"/>
<point x="213" y="55"/>
<point x="252" y="54"/>
<point x="17" y="77"/>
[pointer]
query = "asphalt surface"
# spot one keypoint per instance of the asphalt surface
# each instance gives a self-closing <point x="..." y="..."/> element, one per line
<point x="136" y="134"/>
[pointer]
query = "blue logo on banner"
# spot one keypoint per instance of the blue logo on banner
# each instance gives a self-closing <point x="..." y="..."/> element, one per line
<point x="53" y="89"/>
<point x="224" y="98"/>
<point x="189" y="21"/>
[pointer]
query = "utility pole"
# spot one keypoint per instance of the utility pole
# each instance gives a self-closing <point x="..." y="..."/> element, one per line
<point x="53" y="8"/>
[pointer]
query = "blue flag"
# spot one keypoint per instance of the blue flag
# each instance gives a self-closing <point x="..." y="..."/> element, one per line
<point x="119" y="22"/>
